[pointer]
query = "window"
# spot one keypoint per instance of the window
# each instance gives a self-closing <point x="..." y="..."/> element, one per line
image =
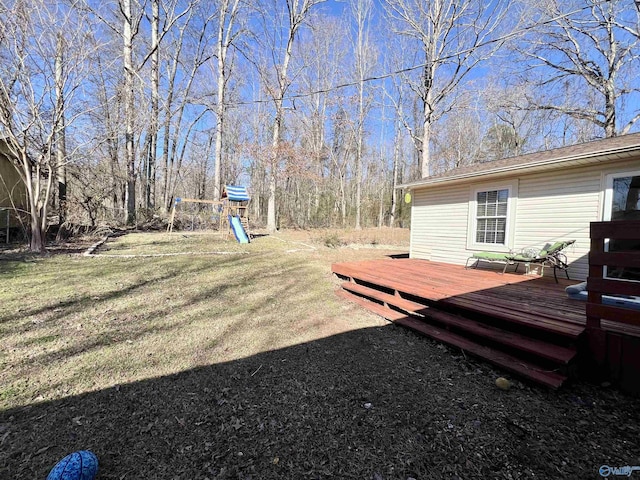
<point x="622" y="202"/>
<point x="491" y="216"/>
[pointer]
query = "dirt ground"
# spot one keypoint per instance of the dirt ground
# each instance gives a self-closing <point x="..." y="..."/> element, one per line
<point x="243" y="364"/>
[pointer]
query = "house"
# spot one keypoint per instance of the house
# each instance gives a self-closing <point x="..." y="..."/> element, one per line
<point x="526" y="202"/>
<point x="13" y="193"/>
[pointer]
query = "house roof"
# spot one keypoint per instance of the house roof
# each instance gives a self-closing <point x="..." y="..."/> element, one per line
<point x="597" y="151"/>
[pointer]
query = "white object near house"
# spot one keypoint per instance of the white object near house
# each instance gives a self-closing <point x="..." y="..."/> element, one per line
<point x="526" y="202"/>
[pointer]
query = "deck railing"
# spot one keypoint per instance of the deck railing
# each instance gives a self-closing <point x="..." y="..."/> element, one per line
<point x="614" y="351"/>
<point x="600" y="285"/>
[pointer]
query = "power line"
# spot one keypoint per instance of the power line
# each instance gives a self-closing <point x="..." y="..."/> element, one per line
<point x="333" y="88"/>
<point x="422" y="65"/>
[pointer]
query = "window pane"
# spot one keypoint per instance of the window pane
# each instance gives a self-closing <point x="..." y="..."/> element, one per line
<point x="626" y="198"/>
<point x="626" y="206"/>
<point x="491" y="216"/>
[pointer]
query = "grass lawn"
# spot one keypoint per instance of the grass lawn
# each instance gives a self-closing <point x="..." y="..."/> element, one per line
<point x="190" y="356"/>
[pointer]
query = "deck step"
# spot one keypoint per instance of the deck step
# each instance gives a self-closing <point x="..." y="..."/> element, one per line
<point x="558" y="327"/>
<point x="549" y="378"/>
<point x="374" y="307"/>
<point x="396" y="301"/>
<point x="509" y="362"/>
<point x="556" y="353"/>
<point x="539" y="348"/>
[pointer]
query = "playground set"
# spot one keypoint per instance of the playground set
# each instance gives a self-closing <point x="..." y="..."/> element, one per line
<point x="231" y="211"/>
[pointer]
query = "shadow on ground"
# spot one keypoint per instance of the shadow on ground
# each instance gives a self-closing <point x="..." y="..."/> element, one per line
<point x="398" y="255"/>
<point x="376" y="403"/>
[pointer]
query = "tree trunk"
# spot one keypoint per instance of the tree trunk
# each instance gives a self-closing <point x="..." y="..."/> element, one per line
<point x="359" y="142"/>
<point x="155" y="107"/>
<point x="166" y="200"/>
<point x="273" y="169"/>
<point x="226" y="21"/>
<point x="129" y="106"/>
<point x="394" y="191"/>
<point x="37" y="243"/>
<point x="361" y="10"/>
<point x="38" y="201"/>
<point x="381" y="206"/>
<point x="425" y="158"/>
<point x="60" y="139"/>
<point x="220" y="106"/>
<point x="343" y="200"/>
<point x="610" y="112"/>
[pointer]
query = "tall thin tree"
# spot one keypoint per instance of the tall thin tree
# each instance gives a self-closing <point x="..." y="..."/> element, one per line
<point x="297" y="13"/>
<point x="361" y="11"/>
<point x="453" y="37"/>
<point x="227" y="33"/>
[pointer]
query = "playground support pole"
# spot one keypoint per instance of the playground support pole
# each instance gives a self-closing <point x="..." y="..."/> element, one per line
<point x="173" y="214"/>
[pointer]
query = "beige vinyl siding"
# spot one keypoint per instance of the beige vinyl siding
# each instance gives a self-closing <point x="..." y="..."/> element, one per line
<point x="12" y="193"/>
<point x="559" y="207"/>
<point x="550" y="206"/>
<point x="439" y="224"/>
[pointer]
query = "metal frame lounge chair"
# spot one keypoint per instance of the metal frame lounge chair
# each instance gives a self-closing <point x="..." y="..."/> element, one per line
<point x="491" y="257"/>
<point x="549" y="256"/>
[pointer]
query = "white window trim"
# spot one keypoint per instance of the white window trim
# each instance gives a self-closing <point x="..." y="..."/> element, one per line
<point x="607" y="208"/>
<point x="512" y="188"/>
<point x="608" y="190"/>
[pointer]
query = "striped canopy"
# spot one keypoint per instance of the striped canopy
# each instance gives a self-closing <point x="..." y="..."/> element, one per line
<point x="236" y="193"/>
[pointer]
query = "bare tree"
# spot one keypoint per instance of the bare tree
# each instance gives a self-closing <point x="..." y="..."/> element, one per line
<point x="129" y="30"/>
<point x="60" y="134"/>
<point x="151" y="155"/>
<point x="454" y="37"/>
<point x="280" y="45"/>
<point x="397" y="143"/>
<point x="457" y="138"/>
<point x="227" y="33"/>
<point x="323" y="53"/>
<point x="364" y="59"/>
<point x="190" y="52"/>
<point x="129" y="15"/>
<point x="37" y="85"/>
<point x="585" y="55"/>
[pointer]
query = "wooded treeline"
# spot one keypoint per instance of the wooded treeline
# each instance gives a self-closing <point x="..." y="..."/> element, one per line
<point x="113" y="109"/>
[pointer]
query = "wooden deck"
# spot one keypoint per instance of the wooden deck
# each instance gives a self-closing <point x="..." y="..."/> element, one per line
<point x="523" y="323"/>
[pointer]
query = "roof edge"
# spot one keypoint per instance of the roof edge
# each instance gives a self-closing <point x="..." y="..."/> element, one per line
<point x="514" y="168"/>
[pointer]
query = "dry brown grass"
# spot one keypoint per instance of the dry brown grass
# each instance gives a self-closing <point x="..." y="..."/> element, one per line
<point x="73" y="324"/>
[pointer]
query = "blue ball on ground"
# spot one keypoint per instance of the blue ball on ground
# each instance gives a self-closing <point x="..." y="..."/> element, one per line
<point x="80" y="465"/>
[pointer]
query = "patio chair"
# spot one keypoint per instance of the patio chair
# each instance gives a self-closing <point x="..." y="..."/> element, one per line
<point x="549" y="256"/>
